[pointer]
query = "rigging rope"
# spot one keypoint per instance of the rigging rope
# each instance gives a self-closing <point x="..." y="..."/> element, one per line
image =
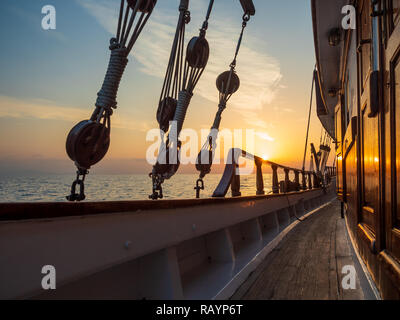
<point x="174" y="74"/>
<point x="227" y="83"/>
<point x="106" y="97"/>
<point x="309" y="118"/>
<point x="176" y="96"/>
<point x="88" y="141"/>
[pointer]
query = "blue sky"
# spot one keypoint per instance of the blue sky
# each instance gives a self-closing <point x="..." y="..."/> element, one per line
<point x="49" y="79"/>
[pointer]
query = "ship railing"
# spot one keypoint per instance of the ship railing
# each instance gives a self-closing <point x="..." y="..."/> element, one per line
<point x="231" y="176"/>
<point x="331" y="171"/>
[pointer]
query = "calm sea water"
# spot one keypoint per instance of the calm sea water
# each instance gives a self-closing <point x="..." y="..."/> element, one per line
<point x="113" y="187"/>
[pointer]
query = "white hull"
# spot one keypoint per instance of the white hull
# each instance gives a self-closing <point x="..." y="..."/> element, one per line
<point x="189" y="252"/>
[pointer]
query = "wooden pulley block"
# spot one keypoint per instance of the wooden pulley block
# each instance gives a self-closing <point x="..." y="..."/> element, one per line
<point x="197" y="52"/>
<point x="145" y="6"/>
<point x="167" y="169"/>
<point x="207" y="155"/>
<point x="87" y="143"/>
<point x="222" y="82"/>
<point x="165" y="112"/>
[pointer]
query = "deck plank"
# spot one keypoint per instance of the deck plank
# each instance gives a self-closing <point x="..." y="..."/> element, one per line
<point x="307" y="264"/>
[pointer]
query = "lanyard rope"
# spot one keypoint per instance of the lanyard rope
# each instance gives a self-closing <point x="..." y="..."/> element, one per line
<point x="88" y="142"/>
<point x="173" y="81"/>
<point x="170" y="109"/>
<point x="227" y="83"/>
<point x="121" y="46"/>
<point x="309" y="118"/>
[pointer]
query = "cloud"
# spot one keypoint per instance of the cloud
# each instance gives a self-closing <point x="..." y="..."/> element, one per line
<point x="265" y="136"/>
<point x="11" y="107"/>
<point x="259" y="73"/>
<point x="40" y="109"/>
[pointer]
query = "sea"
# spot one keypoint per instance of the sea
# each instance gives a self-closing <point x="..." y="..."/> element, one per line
<point x="50" y="188"/>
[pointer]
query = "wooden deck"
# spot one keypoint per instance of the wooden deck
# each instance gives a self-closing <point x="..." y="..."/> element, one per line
<point x="308" y="264"/>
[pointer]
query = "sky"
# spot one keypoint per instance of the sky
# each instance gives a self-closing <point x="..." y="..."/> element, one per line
<point x="49" y="79"/>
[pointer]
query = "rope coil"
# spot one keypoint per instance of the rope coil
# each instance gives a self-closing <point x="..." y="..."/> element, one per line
<point x="106" y="97"/>
<point x="184" y="99"/>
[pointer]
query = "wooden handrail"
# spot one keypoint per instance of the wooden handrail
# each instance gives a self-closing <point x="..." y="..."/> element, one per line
<point x="231" y="179"/>
<point x="331" y="171"/>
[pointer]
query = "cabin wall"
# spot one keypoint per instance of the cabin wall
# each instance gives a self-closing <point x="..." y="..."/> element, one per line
<point x="389" y="257"/>
<point x="345" y="111"/>
<point x="360" y="148"/>
<point x="368" y="131"/>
